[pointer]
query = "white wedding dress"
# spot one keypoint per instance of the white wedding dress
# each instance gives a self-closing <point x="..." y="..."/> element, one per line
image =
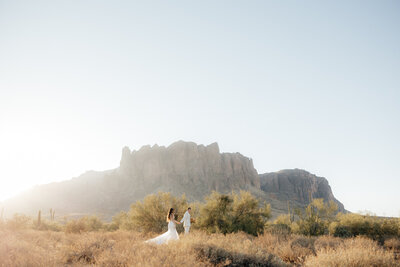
<point x="171" y="234"/>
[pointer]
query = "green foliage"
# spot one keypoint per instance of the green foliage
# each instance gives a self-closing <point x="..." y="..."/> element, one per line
<point x="247" y="216"/>
<point x="316" y="217"/>
<point x="233" y="213"/>
<point x="216" y="213"/>
<point x="348" y="225"/>
<point x="150" y="214"/>
<point x="281" y="225"/>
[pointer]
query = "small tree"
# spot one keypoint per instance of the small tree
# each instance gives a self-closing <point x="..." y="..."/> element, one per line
<point x="150" y="214"/>
<point x="316" y="218"/>
<point x="247" y="216"/>
<point x="215" y="214"/>
<point x="232" y="213"/>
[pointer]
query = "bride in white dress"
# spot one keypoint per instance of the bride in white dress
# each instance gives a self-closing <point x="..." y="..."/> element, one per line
<point x="171" y="234"/>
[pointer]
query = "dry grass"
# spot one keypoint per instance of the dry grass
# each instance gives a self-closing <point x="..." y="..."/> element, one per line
<point x="290" y="248"/>
<point x="40" y="248"/>
<point x="359" y="251"/>
<point x="393" y="244"/>
<point x="123" y="248"/>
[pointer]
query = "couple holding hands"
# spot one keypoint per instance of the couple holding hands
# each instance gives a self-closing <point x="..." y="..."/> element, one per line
<point x="172" y="234"/>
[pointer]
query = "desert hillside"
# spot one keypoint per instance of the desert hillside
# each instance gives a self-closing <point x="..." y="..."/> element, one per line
<point x="181" y="168"/>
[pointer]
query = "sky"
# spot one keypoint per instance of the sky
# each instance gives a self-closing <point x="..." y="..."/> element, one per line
<point x="313" y="85"/>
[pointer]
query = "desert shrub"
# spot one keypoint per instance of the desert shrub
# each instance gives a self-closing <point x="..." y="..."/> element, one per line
<point x="325" y="242"/>
<point x="283" y="219"/>
<point x="218" y="256"/>
<point x="316" y="217"/>
<point x="290" y="248"/>
<point x="75" y="226"/>
<point x="233" y="213"/>
<point x="390" y="227"/>
<point x="247" y="216"/>
<point x="281" y="225"/>
<point x="119" y="221"/>
<point x="278" y="229"/>
<point x="48" y="226"/>
<point x="353" y="252"/>
<point x="348" y="225"/>
<point x="18" y="222"/>
<point x="215" y="214"/>
<point x="392" y="243"/>
<point x="234" y="249"/>
<point x="150" y="214"/>
<point x="84" y="224"/>
<point x="86" y="250"/>
<point x="93" y="223"/>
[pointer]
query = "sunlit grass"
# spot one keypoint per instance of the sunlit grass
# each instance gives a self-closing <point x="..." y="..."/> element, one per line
<point x="28" y="247"/>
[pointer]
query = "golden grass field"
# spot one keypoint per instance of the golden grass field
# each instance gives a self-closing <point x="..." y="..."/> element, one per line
<point x="122" y="248"/>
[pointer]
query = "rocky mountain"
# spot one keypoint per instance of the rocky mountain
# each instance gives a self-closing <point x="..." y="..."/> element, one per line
<point x="181" y="168"/>
<point x="297" y="186"/>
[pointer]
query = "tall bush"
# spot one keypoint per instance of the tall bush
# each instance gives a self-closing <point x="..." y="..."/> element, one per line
<point x="150" y="214"/>
<point x="316" y="217"/>
<point x="233" y="213"/>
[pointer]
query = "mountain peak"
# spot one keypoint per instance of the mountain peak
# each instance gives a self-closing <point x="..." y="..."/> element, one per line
<point x="182" y="167"/>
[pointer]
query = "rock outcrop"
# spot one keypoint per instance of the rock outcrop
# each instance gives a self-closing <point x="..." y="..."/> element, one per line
<point x="181" y="168"/>
<point x="298" y="186"/>
<point x="189" y="165"/>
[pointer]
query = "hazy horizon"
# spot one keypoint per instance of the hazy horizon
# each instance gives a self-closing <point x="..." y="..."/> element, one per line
<point x="307" y="85"/>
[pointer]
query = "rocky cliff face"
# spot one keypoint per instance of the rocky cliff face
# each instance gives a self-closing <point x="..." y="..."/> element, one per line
<point x="298" y="186"/>
<point x="181" y="168"/>
<point x="188" y="165"/>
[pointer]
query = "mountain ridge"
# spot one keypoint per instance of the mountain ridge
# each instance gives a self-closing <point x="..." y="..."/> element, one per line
<point x="182" y="167"/>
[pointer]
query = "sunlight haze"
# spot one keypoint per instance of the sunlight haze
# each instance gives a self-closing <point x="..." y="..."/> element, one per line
<point x="310" y="85"/>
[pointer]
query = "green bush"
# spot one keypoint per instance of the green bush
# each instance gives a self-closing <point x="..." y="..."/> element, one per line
<point x="348" y="225"/>
<point x="150" y="214"/>
<point x="247" y="216"/>
<point x="316" y="217"/>
<point x="233" y="213"/>
<point x="278" y="229"/>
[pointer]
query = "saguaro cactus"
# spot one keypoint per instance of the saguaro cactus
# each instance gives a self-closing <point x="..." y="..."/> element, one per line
<point x="39" y="218"/>
<point x="52" y="212"/>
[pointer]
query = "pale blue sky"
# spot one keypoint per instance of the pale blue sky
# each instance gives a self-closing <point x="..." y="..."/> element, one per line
<point x="292" y="84"/>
